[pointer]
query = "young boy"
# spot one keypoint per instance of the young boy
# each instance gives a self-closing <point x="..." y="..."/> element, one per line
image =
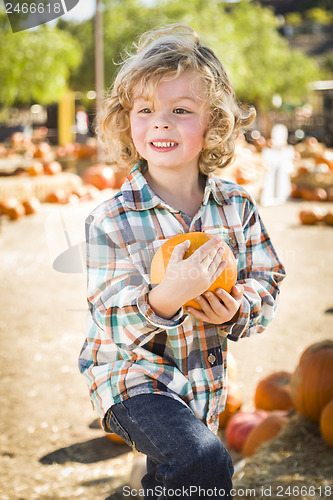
<point x="156" y="372"/>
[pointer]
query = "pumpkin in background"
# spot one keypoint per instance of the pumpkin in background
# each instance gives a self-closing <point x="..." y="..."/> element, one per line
<point x="36" y="168"/>
<point x="101" y="176"/>
<point x="328" y="219"/>
<point x="13" y="208"/>
<point x="326" y="423"/>
<point x="57" y="196"/>
<point x="319" y="194"/>
<point x="312" y="381"/>
<point x="15" y="212"/>
<point x="85" y="192"/>
<point x="43" y="151"/>
<point x="311" y="216"/>
<point x="115" y="438"/>
<point x="31" y="205"/>
<point x="273" y="392"/>
<point x="227" y="278"/>
<point x="233" y="403"/>
<point x="268" y="429"/>
<point x="240" y="425"/>
<point x="52" y="168"/>
<point x="120" y="176"/>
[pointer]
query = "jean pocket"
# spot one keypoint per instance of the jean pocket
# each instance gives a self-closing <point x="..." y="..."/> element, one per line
<point x="113" y="425"/>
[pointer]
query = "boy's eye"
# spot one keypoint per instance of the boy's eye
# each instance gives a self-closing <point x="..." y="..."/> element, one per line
<point x="145" y="110"/>
<point x="180" y="111"/>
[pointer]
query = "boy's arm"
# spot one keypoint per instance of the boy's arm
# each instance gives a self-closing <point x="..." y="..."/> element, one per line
<point x="118" y="293"/>
<point x="259" y="271"/>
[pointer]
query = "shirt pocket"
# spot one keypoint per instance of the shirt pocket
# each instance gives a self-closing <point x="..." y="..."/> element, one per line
<point x="234" y="238"/>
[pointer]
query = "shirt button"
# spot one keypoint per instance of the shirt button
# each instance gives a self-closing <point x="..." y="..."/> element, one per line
<point x="232" y="242"/>
<point x="214" y="418"/>
<point x="211" y="358"/>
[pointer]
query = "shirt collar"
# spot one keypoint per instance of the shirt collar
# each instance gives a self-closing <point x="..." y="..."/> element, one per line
<point x="138" y="195"/>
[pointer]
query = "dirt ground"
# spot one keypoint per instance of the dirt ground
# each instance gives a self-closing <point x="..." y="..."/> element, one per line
<point x="51" y="446"/>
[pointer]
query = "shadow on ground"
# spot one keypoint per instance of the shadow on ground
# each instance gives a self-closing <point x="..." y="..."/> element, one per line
<point x="88" y="452"/>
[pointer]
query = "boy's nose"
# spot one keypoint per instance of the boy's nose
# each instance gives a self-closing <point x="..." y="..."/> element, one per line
<point x="162" y="121"/>
<point x="158" y="126"/>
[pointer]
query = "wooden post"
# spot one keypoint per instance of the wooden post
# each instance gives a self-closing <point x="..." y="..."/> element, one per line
<point x="99" y="65"/>
<point x="66" y="118"/>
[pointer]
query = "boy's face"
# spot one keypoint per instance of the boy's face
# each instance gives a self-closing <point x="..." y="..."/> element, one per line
<point x="169" y="132"/>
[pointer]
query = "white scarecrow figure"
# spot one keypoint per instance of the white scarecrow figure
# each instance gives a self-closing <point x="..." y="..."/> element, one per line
<point x="278" y="161"/>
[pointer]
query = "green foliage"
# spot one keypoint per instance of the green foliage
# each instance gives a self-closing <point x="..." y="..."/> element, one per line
<point x="257" y="58"/>
<point x="35" y="64"/>
<point x="294" y="18"/>
<point x="327" y="65"/>
<point x="320" y="16"/>
<point x="244" y="35"/>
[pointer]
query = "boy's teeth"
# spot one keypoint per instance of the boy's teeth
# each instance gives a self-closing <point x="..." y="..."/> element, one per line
<point x="164" y="144"/>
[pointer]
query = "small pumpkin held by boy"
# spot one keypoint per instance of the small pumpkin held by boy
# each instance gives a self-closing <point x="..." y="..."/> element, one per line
<point x="155" y="355"/>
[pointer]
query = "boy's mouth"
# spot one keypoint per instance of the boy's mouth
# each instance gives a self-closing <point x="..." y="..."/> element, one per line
<point x="164" y="145"/>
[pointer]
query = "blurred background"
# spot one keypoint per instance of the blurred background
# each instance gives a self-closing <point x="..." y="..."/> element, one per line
<point x="279" y="57"/>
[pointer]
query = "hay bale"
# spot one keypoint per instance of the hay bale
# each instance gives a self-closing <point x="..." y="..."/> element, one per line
<point x="22" y="187"/>
<point x="296" y="464"/>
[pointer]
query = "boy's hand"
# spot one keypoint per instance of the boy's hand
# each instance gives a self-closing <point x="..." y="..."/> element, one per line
<point x="185" y="279"/>
<point x="218" y="309"/>
<point x="193" y="276"/>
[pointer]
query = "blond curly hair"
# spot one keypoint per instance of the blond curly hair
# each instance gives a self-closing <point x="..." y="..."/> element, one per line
<point x="166" y="53"/>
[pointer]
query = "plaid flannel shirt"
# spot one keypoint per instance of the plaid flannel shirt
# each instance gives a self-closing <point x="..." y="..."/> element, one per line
<point x="129" y="350"/>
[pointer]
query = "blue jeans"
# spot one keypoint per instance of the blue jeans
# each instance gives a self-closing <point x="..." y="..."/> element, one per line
<point x="184" y="458"/>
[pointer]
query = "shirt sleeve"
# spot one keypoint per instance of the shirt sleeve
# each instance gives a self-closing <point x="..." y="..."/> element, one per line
<point x="118" y="293"/>
<point x="260" y="272"/>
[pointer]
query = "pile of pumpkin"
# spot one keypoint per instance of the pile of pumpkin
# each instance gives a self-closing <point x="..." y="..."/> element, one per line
<point x="95" y="178"/>
<point x="316" y="215"/>
<point x="308" y="391"/>
<point x="37" y="146"/>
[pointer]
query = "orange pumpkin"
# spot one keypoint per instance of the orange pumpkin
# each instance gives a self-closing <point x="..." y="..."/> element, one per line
<point x="42" y="151"/>
<point x="233" y="403"/>
<point x="326" y="423"/>
<point x="240" y="425"/>
<point x="12" y="208"/>
<point x="52" y="168"/>
<point x="328" y="219"/>
<point x="101" y="176"/>
<point x="312" y="381"/>
<point x="273" y="392"/>
<point x="15" y="212"/>
<point x="311" y="216"/>
<point x="227" y="278"/>
<point x="319" y="194"/>
<point x="330" y="193"/>
<point x="36" y="168"/>
<point x="32" y="205"/>
<point x="57" y="196"/>
<point x="265" y="431"/>
<point x="115" y="438"/>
